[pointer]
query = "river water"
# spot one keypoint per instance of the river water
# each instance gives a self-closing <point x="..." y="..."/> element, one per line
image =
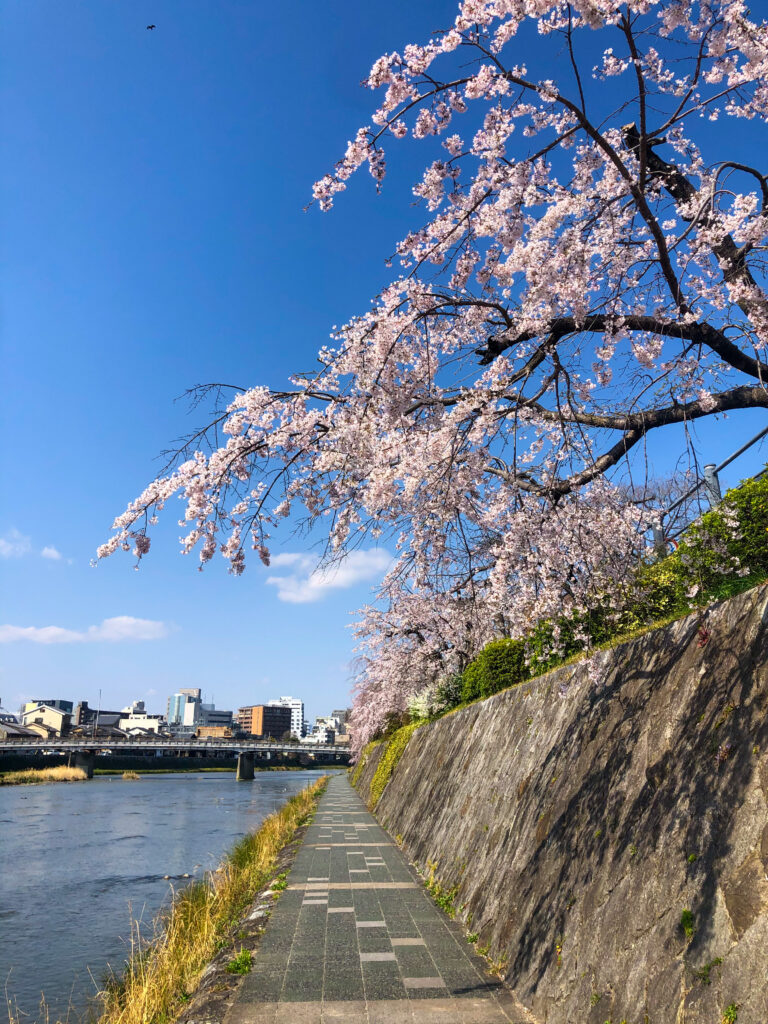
<point x="81" y="861"/>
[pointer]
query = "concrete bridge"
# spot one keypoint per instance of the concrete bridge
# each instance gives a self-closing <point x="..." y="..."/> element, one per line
<point x="82" y="751"/>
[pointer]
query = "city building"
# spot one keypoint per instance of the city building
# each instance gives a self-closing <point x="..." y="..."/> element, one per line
<point x="14" y="731"/>
<point x="136" y="720"/>
<point x="85" y="717"/>
<point x="264" y="720"/>
<point x="213" y="732"/>
<point x="297" y="713"/>
<point x="212" y="716"/>
<point x="323" y="731"/>
<point x="184" y="707"/>
<point x="62" y="705"/>
<point x="7" y="716"/>
<point x="45" y="720"/>
<point x="187" y="713"/>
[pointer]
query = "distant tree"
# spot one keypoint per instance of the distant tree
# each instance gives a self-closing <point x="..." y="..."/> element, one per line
<point x="591" y="270"/>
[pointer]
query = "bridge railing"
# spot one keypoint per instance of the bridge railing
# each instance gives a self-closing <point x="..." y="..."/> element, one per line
<point x="165" y="743"/>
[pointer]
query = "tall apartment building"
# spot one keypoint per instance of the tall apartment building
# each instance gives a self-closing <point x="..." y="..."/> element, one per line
<point x="297" y="713"/>
<point x="184" y="707"/>
<point x="264" y="720"/>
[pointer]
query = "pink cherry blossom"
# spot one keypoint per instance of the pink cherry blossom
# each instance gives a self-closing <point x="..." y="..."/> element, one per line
<point x="578" y="279"/>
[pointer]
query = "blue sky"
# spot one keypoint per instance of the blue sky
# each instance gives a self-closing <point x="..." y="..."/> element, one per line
<point x="154" y="238"/>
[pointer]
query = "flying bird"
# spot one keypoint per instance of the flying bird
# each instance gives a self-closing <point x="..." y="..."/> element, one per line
<point x="151" y="27"/>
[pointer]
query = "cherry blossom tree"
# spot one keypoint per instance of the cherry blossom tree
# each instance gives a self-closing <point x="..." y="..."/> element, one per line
<point x="589" y="270"/>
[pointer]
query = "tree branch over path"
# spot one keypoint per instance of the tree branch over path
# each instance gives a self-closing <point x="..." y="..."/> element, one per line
<point x="587" y="270"/>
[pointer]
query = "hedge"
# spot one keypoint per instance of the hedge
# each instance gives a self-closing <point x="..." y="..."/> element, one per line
<point x="499" y="665"/>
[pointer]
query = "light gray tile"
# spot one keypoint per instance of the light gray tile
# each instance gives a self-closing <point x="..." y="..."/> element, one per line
<point x="423" y="982"/>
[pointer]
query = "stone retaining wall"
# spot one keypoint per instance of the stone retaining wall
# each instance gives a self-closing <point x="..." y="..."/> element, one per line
<point x="581" y="814"/>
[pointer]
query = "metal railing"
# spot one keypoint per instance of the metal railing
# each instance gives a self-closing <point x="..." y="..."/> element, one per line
<point x="191" y="744"/>
<point x="711" y="485"/>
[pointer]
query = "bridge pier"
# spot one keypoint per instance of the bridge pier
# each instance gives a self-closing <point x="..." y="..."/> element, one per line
<point x="83" y="759"/>
<point x="244" y="766"/>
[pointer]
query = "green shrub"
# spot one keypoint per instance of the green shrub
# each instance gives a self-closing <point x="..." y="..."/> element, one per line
<point x="499" y="665"/>
<point x="388" y="762"/>
<point x="448" y="692"/>
<point x="688" y="924"/>
<point x="241" y="963"/>
<point x="712" y="556"/>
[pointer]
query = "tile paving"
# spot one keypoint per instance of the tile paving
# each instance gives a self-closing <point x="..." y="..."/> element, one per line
<point x="363" y="946"/>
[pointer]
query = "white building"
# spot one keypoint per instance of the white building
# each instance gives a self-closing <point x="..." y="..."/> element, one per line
<point x="323" y="731"/>
<point x="136" y="719"/>
<point x="297" y="713"/>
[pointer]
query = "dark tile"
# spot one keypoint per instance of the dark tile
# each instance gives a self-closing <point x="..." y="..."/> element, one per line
<point x="380" y="983"/>
<point x="302" y="987"/>
<point x="415" y="962"/>
<point x="344" y="985"/>
<point x="261" y="988"/>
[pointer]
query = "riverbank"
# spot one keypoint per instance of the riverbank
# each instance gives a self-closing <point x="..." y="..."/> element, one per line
<point x="200" y="771"/>
<point x="162" y="771"/>
<point x="31" y="776"/>
<point x="203" y="921"/>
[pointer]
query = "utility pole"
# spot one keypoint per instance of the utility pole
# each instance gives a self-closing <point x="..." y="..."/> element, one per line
<point x="98" y="712"/>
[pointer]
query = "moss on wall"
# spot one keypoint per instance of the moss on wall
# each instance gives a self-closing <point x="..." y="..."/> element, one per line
<point x="395" y="749"/>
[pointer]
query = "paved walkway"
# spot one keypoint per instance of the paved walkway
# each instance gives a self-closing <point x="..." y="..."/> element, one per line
<point x="355" y="938"/>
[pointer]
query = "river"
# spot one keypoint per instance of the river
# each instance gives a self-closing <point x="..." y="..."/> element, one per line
<point x="81" y="861"/>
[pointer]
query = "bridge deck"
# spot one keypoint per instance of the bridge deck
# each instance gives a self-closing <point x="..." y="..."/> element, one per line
<point x="355" y="938"/>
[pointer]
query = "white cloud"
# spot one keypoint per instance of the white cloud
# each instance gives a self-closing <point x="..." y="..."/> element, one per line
<point x="121" y="627"/>
<point x="308" y="583"/>
<point x="14" y="544"/>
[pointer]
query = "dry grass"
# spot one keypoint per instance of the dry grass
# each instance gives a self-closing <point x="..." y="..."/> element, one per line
<point x="160" y="975"/>
<point x="31" y="775"/>
<point x="131" y="775"/>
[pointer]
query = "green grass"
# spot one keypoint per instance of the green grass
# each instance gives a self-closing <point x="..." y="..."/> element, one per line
<point x="443" y="897"/>
<point x="688" y="924"/>
<point x="240" y="963"/>
<point x="703" y="973"/>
